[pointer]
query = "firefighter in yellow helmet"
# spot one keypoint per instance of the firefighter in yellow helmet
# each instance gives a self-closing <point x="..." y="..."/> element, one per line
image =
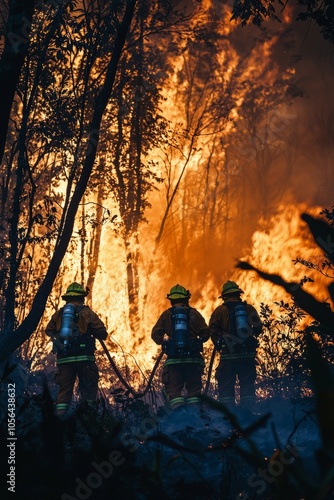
<point x="73" y="330"/>
<point x="234" y="327"/>
<point x="181" y="330"/>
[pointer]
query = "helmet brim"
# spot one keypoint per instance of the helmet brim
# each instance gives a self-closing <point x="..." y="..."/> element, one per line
<point x="231" y="292"/>
<point x="175" y="297"/>
<point x="74" y="295"/>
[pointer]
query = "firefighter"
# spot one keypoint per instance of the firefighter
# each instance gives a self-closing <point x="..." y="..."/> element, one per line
<point x="73" y="330"/>
<point x="234" y="328"/>
<point x="181" y="330"/>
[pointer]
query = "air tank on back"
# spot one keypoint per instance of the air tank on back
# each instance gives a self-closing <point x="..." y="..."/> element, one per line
<point x="241" y="319"/>
<point x="181" y="335"/>
<point x="67" y="321"/>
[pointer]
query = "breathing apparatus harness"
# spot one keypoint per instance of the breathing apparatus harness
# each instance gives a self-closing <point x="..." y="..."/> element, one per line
<point x="181" y="344"/>
<point x="240" y="338"/>
<point x="69" y="335"/>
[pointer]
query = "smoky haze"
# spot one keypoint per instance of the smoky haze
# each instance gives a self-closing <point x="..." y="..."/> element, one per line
<point x="278" y="155"/>
<point x="251" y="149"/>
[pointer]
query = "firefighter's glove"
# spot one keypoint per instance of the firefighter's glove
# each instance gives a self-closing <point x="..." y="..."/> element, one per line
<point x="199" y="344"/>
<point x="221" y="344"/>
<point x="165" y="344"/>
<point x="58" y="346"/>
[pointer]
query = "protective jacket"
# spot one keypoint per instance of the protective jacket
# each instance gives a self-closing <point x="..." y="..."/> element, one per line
<point x="82" y="346"/>
<point x="198" y="331"/>
<point x="224" y="335"/>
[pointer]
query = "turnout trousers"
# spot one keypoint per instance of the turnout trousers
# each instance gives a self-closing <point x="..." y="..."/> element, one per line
<point x="179" y="376"/>
<point x="226" y="374"/>
<point x="88" y="377"/>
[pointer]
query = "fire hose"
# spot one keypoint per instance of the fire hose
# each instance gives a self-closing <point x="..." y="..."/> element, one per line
<point x="141" y="394"/>
<point x="122" y="379"/>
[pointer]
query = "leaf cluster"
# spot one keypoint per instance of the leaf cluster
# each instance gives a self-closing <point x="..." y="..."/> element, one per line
<point x="282" y="369"/>
<point x="257" y="11"/>
<point x="318" y="361"/>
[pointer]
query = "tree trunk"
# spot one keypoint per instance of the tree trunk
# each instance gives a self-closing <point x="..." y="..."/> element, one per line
<point x="132" y="284"/>
<point x="11" y="340"/>
<point x="94" y="251"/>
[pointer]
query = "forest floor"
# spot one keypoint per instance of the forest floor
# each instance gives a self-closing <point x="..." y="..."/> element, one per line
<point x="206" y="454"/>
<point x="138" y="452"/>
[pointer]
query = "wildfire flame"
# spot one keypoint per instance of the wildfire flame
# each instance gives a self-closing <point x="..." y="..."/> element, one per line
<point x="212" y="219"/>
<point x="275" y="245"/>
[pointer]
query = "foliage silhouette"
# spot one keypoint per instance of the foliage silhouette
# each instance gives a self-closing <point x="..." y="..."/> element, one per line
<point x="320" y="368"/>
<point x="256" y="11"/>
<point x="56" y="457"/>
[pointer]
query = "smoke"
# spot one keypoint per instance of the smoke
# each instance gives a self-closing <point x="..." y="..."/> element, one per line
<point x="297" y="170"/>
<point x="314" y="171"/>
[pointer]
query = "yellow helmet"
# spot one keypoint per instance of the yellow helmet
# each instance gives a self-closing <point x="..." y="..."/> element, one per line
<point x="230" y="287"/>
<point x="74" y="290"/>
<point x="178" y="292"/>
